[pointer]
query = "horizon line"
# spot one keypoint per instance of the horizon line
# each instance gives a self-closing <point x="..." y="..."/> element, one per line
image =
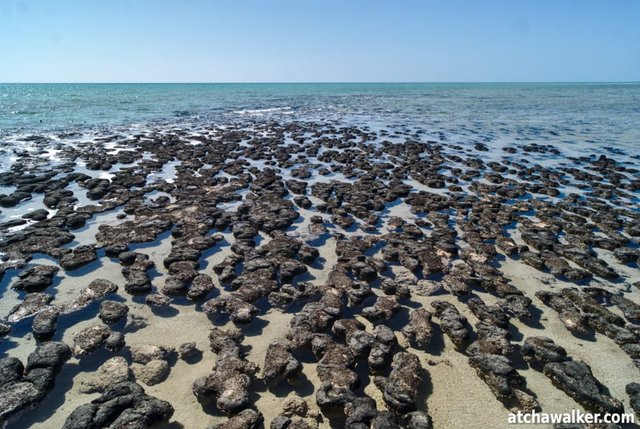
<point x="318" y="82"/>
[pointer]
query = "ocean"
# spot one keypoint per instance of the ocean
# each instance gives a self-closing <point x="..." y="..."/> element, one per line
<point x="605" y="114"/>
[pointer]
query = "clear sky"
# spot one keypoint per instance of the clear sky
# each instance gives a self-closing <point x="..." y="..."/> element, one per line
<point x="319" y="40"/>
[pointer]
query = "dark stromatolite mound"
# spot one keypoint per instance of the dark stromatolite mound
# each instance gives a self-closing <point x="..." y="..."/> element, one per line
<point x="382" y="309"/>
<point x="33" y="303"/>
<point x="112" y="311"/>
<point x="44" y="324"/>
<point x="503" y="379"/>
<point x="200" y="287"/>
<point x="516" y="306"/>
<point x="400" y="389"/>
<point x="134" y="271"/>
<point x="492" y="339"/>
<point x="124" y="405"/>
<point x="362" y="413"/>
<point x="568" y="314"/>
<point x="542" y="350"/>
<point x="90" y="339"/>
<point x="491" y="314"/>
<point x="580" y="313"/>
<point x="354" y="335"/>
<point x="21" y="387"/>
<point x="78" y="257"/>
<point x="338" y="380"/>
<point x="576" y="380"/>
<point x="245" y="419"/>
<point x="36" y="278"/>
<point x="132" y="231"/>
<point x="419" y="330"/>
<point x="229" y="383"/>
<point x="573" y="377"/>
<point x="97" y="289"/>
<point x="315" y="317"/>
<point x="452" y="322"/>
<point x="633" y="390"/>
<point x="280" y="363"/>
<point x="381" y="352"/>
<point x="239" y="311"/>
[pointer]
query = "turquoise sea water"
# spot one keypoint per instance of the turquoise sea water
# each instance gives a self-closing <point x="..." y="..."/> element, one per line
<point x="581" y="113"/>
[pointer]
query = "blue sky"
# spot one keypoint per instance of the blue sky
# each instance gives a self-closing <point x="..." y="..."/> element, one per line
<point x="318" y="40"/>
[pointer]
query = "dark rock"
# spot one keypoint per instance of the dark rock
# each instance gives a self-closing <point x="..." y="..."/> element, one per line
<point x="124" y="405"/>
<point x="97" y="289"/>
<point x="157" y="300"/>
<point x="33" y="303"/>
<point x="503" y="379"/>
<point x="230" y="381"/>
<point x="542" y="350"/>
<point x="576" y="380"/>
<point x="44" y="324"/>
<point x="419" y="330"/>
<point x="36" y="278"/>
<point x="383" y="308"/>
<point x="400" y="389"/>
<point x="80" y="256"/>
<point x="633" y="390"/>
<point x="280" y="363"/>
<point x="188" y="350"/>
<point x="245" y="419"/>
<point x="452" y="322"/>
<point x="200" y="287"/>
<point x="90" y="339"/>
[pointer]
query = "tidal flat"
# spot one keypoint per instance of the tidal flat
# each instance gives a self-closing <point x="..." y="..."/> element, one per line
<point x="309" y="274"/>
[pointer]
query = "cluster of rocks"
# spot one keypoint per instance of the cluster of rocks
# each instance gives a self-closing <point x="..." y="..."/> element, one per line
<point x="571" y="376"/>
<point x="581" y="313"/>
<point x="567" y="221"/>
<point x="23" y="387"/>
<point x="123" y="405"/>
<point x="150" y="363"/>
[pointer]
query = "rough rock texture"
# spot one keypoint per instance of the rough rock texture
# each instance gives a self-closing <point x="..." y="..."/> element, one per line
<point x="419" y="330"/>
<point x="113" y="371"/>
<point x="229" y="383"/>
<point x="22" y="387"/>
<point x="576" y="380"/>
<point x="112" y="311"/>
<point x="123" y="405"/>
<point x="153" y="372"/>
<point x="36" y="278"/>
<point x="90" y="339"/>
<point x="279" y="362"/>
<point x="400" y="389"/>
